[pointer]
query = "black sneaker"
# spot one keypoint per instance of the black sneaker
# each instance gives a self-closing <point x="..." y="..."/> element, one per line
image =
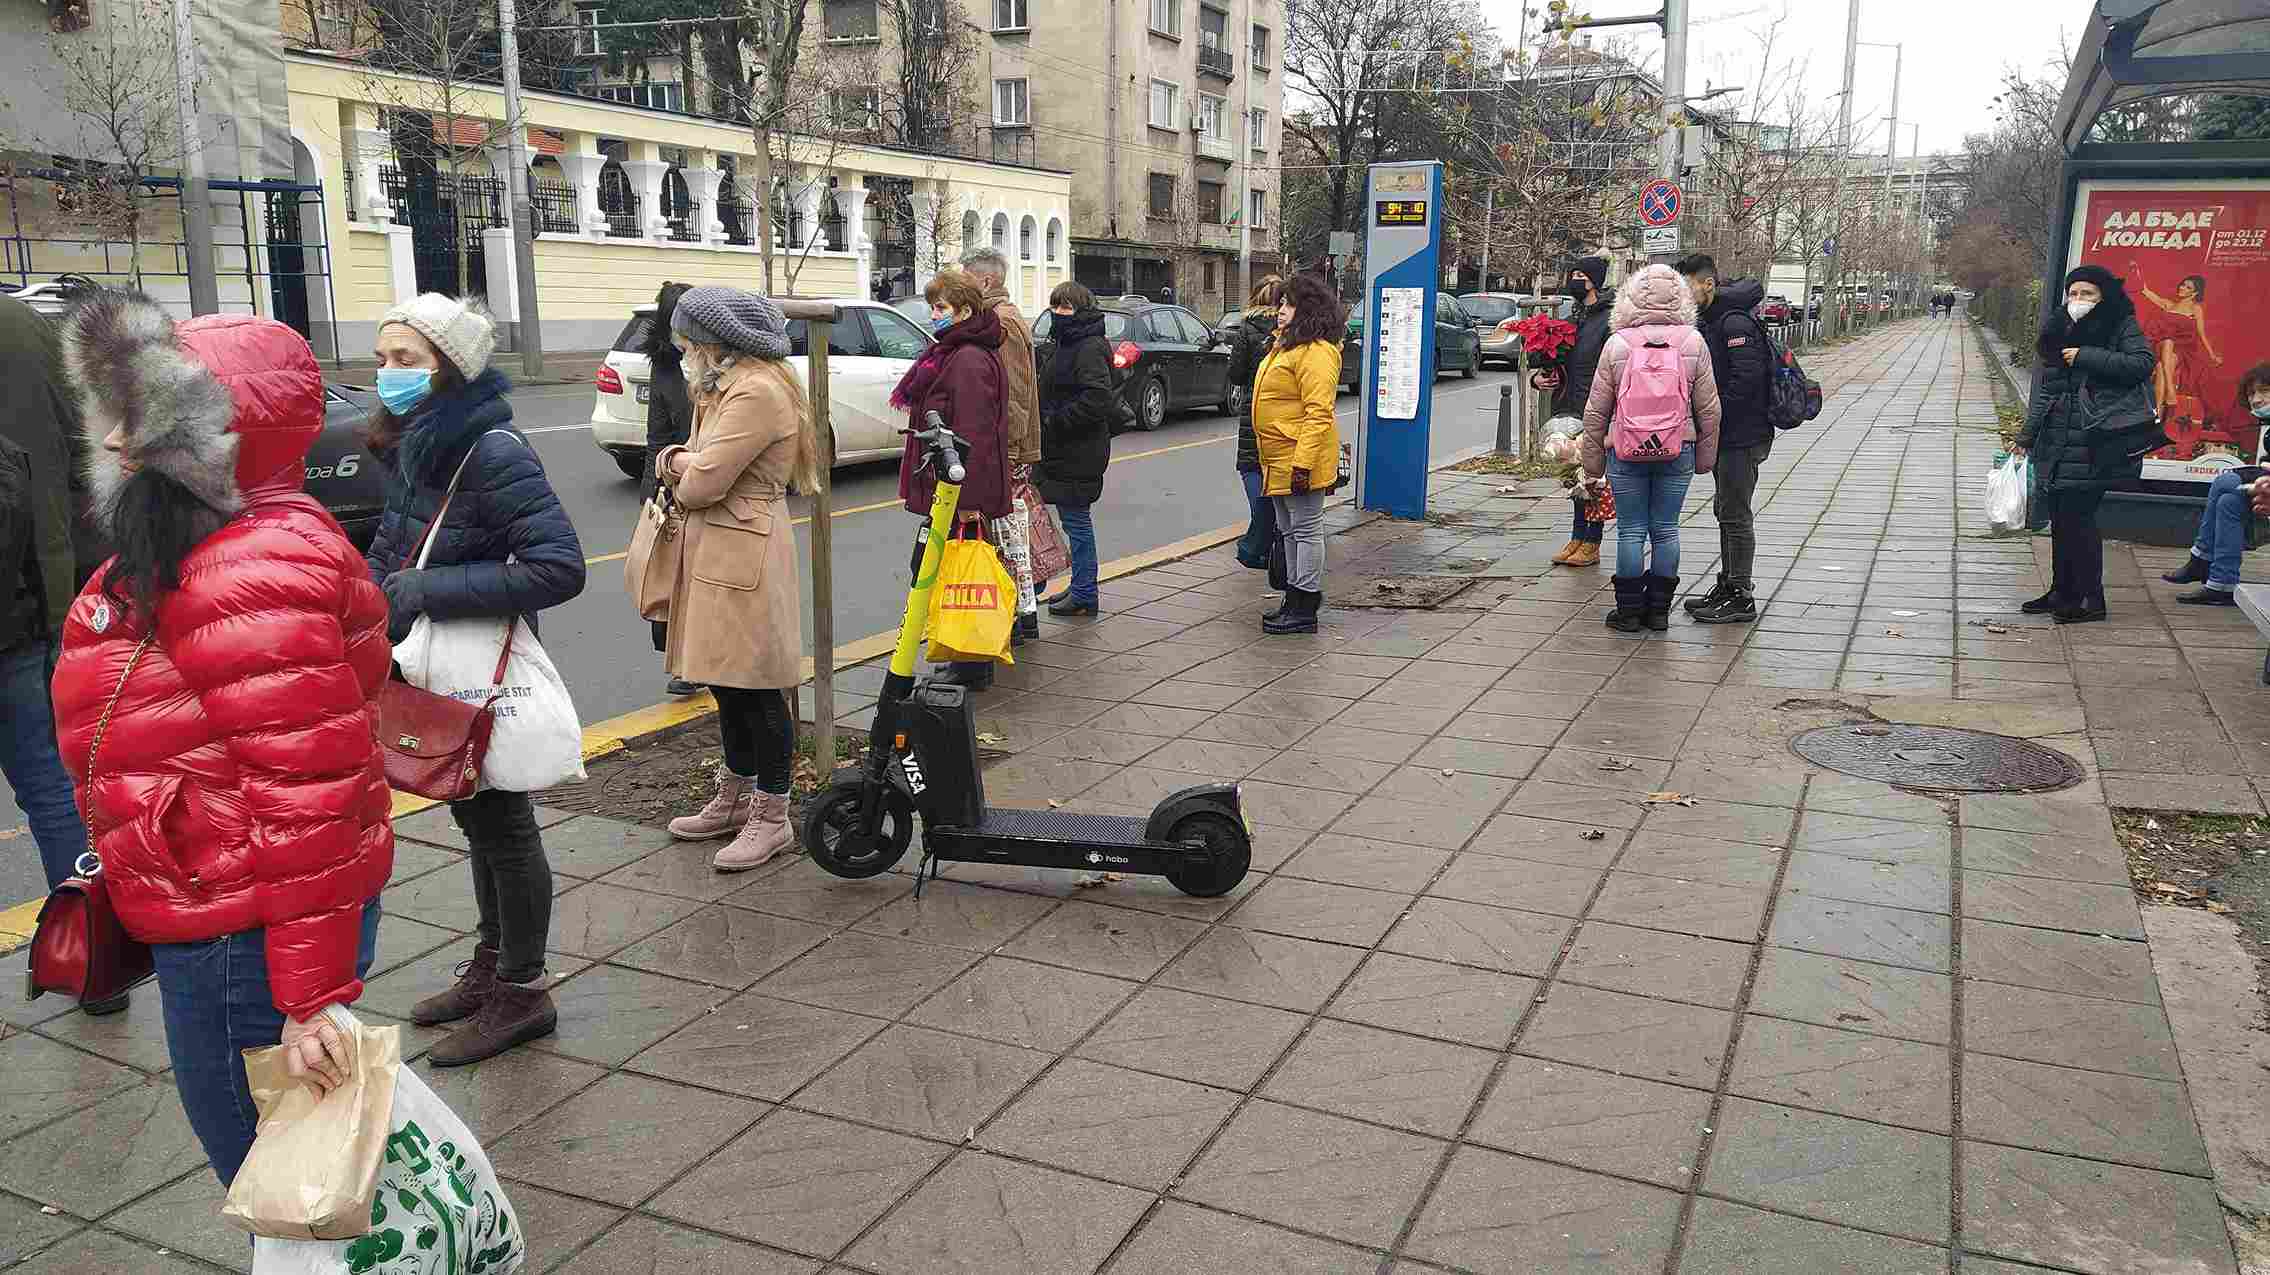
<point x="1737" y="607"/>
<point x="1701" y="603"/>
<point x="2044" y="605"/>
<point x="2080" y="614"/>
<point x="2192" y="572"/>
<point x="2208" y="598"/>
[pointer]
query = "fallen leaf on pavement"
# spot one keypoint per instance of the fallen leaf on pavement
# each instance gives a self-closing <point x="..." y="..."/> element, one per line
<point x="2219" y="909"/>
<point x="988" y="737"/>
<point x="1054" y="804"/>
<point x="1617" y="763"/>
<point x="1591" y="834"/>
<point x="2170" y="887"/>
<point x="1668" y="799"/>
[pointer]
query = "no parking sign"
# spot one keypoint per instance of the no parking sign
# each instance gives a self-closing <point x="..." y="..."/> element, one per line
<point x="1660" y="202"/>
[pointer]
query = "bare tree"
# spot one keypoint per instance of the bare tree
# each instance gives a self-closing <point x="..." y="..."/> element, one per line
<point x="118" y="86"/>
<point x="428" y="74"/>
<point x="933" y="91"/>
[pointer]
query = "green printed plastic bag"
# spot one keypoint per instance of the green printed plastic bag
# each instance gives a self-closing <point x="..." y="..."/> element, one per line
<point x="439" y="1209"/>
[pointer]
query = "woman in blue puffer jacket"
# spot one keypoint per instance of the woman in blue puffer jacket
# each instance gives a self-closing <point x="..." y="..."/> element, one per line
<point x="504" y="549"/>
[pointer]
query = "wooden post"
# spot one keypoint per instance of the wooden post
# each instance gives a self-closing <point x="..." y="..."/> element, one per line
<point x="819" y="321"/>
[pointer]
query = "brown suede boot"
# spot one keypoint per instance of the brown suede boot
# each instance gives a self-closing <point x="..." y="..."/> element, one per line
<point x="1587" y="555"/>
<point x="514" y="1014"/>
<point x="765" y="835"/>
<point x="475" y="980"/>
<point x="1562" y="555"/>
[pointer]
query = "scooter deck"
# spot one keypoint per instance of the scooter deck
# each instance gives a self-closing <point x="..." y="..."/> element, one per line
<point x="1055" y="839"/>
<point x="1061" y="825"/>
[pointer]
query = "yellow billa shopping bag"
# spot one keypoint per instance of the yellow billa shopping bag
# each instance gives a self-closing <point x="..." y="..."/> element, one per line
<point x="973" y="605"/>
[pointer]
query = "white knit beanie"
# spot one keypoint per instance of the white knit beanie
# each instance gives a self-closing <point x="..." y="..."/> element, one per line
<point x="463" y="334"/>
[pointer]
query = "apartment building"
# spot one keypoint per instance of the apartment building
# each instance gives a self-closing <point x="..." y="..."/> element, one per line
<point x="1167" y="113"/>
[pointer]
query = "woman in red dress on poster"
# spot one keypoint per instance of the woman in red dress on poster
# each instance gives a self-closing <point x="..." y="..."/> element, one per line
<point x="2178" y="335"/>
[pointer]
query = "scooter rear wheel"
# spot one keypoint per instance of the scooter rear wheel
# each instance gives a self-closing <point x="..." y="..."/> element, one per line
<point x="831" y="831"/>
<point x="1230" y="853"/>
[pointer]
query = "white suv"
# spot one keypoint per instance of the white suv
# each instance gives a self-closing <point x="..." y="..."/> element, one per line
<point x="869" y="349"/>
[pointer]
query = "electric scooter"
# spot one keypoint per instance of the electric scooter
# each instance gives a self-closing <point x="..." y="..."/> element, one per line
<point x="922" y="756"/>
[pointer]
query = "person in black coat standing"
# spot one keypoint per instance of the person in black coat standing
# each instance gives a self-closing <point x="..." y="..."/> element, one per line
<point x="2088" y="427"/>
<point x="1249" y="344"/>
<point x="1743" y="365"/>
<point x="669" y="422"/>
<point x="1077" y="407"/>
<point x="503" y="548"/>
<point x="1587" y="282"/>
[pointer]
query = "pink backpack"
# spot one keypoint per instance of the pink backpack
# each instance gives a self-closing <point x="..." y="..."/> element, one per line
<point x="1652" y="399"/>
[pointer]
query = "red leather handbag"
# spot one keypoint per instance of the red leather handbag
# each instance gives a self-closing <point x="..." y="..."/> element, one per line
<point x="433" y="745"/>
<point x="79" y="948"/>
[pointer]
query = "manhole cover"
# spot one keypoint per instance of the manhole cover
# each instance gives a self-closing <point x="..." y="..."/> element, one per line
<point x="1403" y="593"/>
<point x="1938" y="758"/>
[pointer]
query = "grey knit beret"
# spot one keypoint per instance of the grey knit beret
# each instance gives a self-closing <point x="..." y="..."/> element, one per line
<point x="737" y="320"/>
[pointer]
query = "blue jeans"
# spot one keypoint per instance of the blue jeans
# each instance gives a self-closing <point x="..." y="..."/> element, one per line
<point x="217" y="1004"/>
<point x="1648" y="496"/>
<point x="2222" y="531"/>
<point x="1080" y="537"/>
<point x="1261" y="525"/>
<point x="29" y="759"/>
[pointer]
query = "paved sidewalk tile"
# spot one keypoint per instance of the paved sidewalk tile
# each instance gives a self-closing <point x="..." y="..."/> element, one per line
<point x="1553" y="956"/>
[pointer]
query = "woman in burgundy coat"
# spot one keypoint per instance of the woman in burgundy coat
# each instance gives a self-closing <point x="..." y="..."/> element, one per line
<point x="960" y="378"/>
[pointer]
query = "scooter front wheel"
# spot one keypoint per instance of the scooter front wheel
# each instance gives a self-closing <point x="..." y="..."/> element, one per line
<point x="1229" y="852"/>
<point x="831" y="830"/>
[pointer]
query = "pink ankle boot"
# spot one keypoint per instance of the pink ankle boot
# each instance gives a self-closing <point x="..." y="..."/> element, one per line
<point x="726" y="811"/>
<point x="763" y="836"/>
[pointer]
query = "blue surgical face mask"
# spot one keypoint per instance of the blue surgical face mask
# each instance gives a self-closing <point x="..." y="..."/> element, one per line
<point x="941" y="323"/>
<point x="403" y="388"/>
<point x="2261" y="411"/>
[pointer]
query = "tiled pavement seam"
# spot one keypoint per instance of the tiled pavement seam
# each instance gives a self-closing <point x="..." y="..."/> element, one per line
<point x="1242" y="923"/>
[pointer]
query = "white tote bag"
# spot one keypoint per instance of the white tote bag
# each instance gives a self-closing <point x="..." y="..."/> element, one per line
<point x="537" y="742"/>
<point x="439" y="1206"/>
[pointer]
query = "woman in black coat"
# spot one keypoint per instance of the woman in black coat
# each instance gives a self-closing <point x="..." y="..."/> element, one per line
<point x="669" y="421"/>
<point x="2088" y="427"/>
<point x="1077" y="408"/>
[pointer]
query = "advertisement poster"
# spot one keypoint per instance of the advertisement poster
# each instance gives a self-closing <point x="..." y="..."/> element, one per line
<point x="2193" y="256"/>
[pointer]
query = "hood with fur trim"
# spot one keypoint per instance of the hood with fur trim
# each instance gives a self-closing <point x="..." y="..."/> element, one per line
<point x="224" y="405"/>
<point x="1655" y="295"/>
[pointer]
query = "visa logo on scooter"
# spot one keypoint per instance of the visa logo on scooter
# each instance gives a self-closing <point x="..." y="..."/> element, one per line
<point x="913" y="770"/>
<point x="975" y="595"/>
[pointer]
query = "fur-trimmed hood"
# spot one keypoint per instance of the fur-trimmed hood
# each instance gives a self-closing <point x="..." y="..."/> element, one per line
<point x="224" y="405"/>
<point x="2100" y="326"/>
<point x="1655" y="295"/>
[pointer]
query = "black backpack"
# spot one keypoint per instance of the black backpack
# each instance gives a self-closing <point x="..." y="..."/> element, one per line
<point x="1792" y="398"/>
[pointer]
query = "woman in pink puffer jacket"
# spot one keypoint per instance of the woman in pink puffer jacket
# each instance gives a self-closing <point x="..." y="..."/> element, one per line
<point x="1654" y="310"/>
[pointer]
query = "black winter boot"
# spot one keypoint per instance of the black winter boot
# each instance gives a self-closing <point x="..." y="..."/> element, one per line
<point x="1739" y="606"/>
<point x="1631" y="604"/>
<point x="1659" y="592"/>
<point x="1299" y="615"/>
<point x="1708" y="600"/>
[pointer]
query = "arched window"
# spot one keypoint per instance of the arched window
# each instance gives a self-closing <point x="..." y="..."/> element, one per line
<point x="1027" y="231"/>
<point x="969" y="231"/>
<point x="678" y="206"/>
<point x="1055" y="240"/>
<point x="1001" y="232"/>
<point x="619" y="200"/>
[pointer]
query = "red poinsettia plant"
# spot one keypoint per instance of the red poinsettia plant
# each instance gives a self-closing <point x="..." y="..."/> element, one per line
<point x="1543" y="335"/>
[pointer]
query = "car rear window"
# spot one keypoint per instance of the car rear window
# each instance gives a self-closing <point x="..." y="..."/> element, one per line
<point x="1488" y="309"/>
<point x="632" y="340"/>
<point x="1114" y="325"/>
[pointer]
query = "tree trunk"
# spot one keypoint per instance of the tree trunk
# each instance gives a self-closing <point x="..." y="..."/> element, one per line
<point x="764" y="201"/>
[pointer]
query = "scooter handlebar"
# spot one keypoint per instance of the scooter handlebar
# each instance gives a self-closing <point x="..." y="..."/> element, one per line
<point x="944" y="448"/>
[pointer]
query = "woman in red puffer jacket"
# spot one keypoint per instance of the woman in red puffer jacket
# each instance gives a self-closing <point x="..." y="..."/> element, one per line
<point x="215" y="697"/>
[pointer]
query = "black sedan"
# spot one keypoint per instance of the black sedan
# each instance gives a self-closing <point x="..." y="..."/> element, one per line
<point x="1163" y="358"/>
<point x="340" y="470"/>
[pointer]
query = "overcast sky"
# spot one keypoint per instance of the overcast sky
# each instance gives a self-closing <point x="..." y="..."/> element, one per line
<point x="1954" y="54"/>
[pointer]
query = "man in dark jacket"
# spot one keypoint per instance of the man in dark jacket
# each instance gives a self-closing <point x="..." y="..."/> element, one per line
<point x="37" y="580"/>
<point x="1588" y="283"/>
<point x="1742" y="362"/>
<point x="1077" y="408"/>
<point x="1249" y="344"/>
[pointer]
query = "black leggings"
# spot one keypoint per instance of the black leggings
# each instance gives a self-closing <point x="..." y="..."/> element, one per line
<point x="512" y="880"/>
<point x="759" y="734"/>
<point x="2076" y="547"/>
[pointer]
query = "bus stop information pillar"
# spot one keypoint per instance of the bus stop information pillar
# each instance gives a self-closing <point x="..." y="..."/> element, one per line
<point x="1402" y="244"/>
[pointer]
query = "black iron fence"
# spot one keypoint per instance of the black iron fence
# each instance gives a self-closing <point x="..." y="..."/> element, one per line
<point x="685" y="222"/>
<point x="446" y="213"/>
<point x="554" y="205"/>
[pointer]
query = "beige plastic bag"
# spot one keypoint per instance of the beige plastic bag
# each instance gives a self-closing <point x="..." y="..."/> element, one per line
<point x="314" y="1164"/>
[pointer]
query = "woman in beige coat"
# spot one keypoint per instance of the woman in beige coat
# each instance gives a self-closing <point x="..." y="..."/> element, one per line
<point x="735" y="615"/>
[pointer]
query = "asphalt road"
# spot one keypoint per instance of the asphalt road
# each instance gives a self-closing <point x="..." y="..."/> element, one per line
<point x="1163" y="487"/>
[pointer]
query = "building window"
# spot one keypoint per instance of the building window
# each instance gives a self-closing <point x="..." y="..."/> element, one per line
<point x="849" y="20"/>
<point x="1025" y="238"/>
<point x="1260" y="47"/>
<point x="1257" y="129"/>
<point x="1212" y="112"/>
<point x="855" y="110"/>
<point x="1213" y="28"/>
<point x="1257" y="208"/>
<point x="1011" y="15"/>
<point x="1210" y="203"/>
<point x="1166" y="104"/>
<point x="1162" y="194"/>
<point x="1012" y="103"/>
<point x="659" y="97"/>
<point x="587" y="18"/>
<point x="1209" y="285"/>
<point x="1166" y="17"/>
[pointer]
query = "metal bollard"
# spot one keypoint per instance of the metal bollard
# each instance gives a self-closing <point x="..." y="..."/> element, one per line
<point x="1505" y="419"/>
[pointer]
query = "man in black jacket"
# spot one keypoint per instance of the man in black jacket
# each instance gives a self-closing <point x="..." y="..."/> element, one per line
<point x="1740" y="359"/>
<point x="1588" y="283"/>
<point x="37" y="581"/>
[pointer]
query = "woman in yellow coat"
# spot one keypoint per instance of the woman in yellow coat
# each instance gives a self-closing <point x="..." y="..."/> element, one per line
<point x="735" y="612"/>
<point x="1298" y="438"/>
